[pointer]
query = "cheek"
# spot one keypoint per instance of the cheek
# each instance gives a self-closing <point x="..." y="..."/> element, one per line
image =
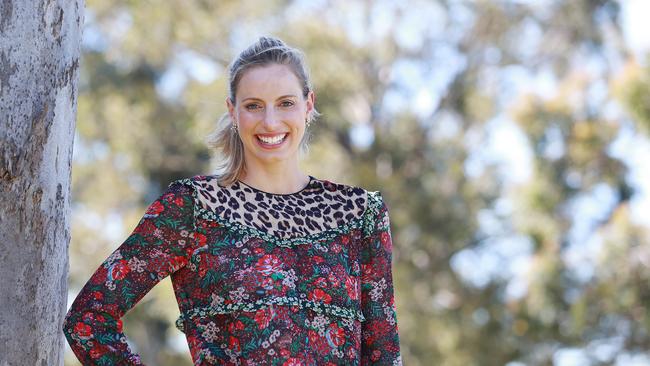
<point x="296" y="115"/>
<point x="247" y="117"/>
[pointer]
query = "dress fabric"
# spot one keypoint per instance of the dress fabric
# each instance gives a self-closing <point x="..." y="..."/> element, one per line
<point x="260" y="278"/>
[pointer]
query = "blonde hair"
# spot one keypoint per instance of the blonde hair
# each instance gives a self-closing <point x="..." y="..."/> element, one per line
<point x="226" y="142"/>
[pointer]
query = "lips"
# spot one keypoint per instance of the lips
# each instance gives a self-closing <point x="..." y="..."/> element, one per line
<point x="275" y="139"/>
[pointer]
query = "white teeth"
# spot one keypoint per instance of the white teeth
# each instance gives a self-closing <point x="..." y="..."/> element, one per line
<point x="272" y="140"/>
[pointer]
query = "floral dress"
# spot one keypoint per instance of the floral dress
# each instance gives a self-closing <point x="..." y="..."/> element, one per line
<point x="260" y="278"/>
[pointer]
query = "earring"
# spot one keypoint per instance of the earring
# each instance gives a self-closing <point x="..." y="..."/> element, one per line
<point x="307" y="122"/>
<point x="233" y="127"/>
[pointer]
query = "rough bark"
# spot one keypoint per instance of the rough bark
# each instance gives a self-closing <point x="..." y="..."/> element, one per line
<point x="39" y="67"/>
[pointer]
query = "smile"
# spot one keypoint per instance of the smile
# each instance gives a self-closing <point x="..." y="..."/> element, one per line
<point x="274" y="140"/>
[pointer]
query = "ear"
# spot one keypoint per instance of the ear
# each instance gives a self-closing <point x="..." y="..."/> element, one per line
<point x="311" y="102"/>
<point x="231" y="108"/>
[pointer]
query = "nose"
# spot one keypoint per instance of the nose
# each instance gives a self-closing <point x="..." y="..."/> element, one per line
<point x="270" y="118"/>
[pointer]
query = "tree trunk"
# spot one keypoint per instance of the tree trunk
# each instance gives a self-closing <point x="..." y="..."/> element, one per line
<point x="39" y="67"/>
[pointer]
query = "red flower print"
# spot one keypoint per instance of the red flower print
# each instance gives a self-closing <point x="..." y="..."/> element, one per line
<point x="110" y="308"/>
<point x="84" y="331"/>
<point x="200" y="239"/>
<point x="146" y="227"/>
<point x="88" y="317"/>
<point x="318" y="259"/>
<point x="375" y="355"/>
<point x="258" y="250"/>
<point x="320" y="282"/>
<point x="339" y="271"/>
<point x="353" y="351"/>
<point x="177" y="262"/>
<point x="98" y="295"/>
<point x="345" y="239"/>
<point x="386" y="241"/>
<point x="178" y="201"/>
<point x="100" y="276"/>
<point x="263" y="317"/>
<point x="380" y="328"/>
<point x="233" y="344"/>
<point x="266" y="283"/>
<point x="120" y="269"/>
<point x="119" y="325"/>
<point x="285" y="352"/>
<point x="98" y="351"/>
<point x="318" y="343"/>
<point x="313" y="336"/>
<point x="370" y="339"/>
<point x="268" y="264"/>
<point x="320" y="295"/>
<point x="352" y="286"/>
<point x="333" y="280"/>
<point x="188" y="251"/>
<point x="367" y="272"/>
<point x="292" y="362"/>
<point x="335" y="335"/>
<point x="236" y="325"/>
<point x="208" y="224"/>
<point x="155" y="208"/>
<point x="195" y="346"/>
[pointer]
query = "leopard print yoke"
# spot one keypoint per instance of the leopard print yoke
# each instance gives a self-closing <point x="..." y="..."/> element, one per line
<point x="321" y="205"/>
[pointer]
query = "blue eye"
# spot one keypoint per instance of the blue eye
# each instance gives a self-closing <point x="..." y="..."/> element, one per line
<point x="251" y="107"/>
<point x="287" y="103"/>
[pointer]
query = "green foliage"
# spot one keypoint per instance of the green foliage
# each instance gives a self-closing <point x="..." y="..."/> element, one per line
<point x="633" y="89"/>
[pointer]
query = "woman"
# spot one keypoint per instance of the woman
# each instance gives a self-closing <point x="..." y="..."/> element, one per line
<point x="269" y="265"/>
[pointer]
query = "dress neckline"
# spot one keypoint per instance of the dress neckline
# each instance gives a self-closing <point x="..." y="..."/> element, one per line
<point x="227" y="206"/>
<point x="309" y="184"/>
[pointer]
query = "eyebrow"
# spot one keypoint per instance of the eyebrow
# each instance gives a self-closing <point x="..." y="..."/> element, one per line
<point x="282" y="97"/>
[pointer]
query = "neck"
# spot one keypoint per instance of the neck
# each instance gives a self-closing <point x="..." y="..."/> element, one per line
<point x="278" y="181"/>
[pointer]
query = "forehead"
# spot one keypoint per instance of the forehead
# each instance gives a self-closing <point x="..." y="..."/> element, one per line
<point x="267" y="81"/>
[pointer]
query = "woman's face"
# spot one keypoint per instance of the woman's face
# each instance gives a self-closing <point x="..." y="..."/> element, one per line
<point x="270" y="112"/>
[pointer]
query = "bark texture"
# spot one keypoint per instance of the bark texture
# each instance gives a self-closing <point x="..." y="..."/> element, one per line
<point x="39" y="67"/>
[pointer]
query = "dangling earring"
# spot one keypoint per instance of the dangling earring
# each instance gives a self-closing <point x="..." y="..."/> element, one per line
<point x="307" y="122"/>
<point x="233" y="127"/>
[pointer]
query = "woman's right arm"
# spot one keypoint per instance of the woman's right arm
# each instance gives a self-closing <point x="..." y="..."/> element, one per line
<point x="160" y="244"/>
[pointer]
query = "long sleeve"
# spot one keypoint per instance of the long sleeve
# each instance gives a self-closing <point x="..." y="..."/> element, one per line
<point x="379" y="333"/>
<point x="160" y="244"/>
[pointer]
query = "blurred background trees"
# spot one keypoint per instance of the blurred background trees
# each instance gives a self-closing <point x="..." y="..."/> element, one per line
<point x="510" y="139"/>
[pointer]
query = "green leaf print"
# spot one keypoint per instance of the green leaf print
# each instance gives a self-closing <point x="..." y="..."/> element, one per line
<point x="127" y="294"/>
<point x="248" y="348"/>
<point x="211" y="277"/>
<point x="295" y="345"/>
<point x="248" y="320"/>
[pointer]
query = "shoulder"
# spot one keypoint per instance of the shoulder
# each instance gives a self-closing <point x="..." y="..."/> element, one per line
<point x="191" y="181"/>
<point x="375" y="210"/>
<point x="372" y="201"/>
<point x="332" y="186"/>
<point x="187" y="186"/>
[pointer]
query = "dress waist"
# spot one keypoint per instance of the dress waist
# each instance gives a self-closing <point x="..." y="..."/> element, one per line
<point x="319" y="307"/>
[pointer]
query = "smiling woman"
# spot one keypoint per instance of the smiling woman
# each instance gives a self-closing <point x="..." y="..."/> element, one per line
<point x="271" y="104"/>
<point x="271" y="115"/>
<point x="270" y="266"/>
